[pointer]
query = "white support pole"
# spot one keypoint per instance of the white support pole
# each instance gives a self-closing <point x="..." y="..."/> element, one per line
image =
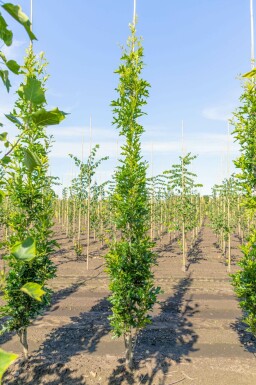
<point x="134" y="11"/>
<point x="252" y="34"/>
<point x="31" y="14"/>
<point x="228" y="152"/>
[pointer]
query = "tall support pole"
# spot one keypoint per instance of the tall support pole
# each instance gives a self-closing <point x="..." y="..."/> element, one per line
<point x="252" y="34"/>
<point x="152" y="198"/>
<point x="228" y="203"/>
<point x="89" y="201"/>
<point x="183" y="219"/>
<point x="134" y="11"/>
<point x="31" y="14"/>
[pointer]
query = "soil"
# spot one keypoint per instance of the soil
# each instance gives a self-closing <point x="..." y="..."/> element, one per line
<point x="196" y="336"/>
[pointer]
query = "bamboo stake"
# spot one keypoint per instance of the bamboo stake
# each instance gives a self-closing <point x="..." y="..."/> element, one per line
<point x="183" y="220"/>
<point x="229" y="235"/>
<point x="88" y="207"/>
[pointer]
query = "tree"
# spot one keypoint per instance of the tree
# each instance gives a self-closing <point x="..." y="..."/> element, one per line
<point x="244" y="122"/>
<point x="130" y="258"/>
<point x="182" y="183"/>
<point x="28" y="188"/>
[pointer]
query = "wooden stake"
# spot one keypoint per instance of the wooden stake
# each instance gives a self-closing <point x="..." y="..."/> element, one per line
<point x="228" y="179"/>
<point x="183" y="221"/>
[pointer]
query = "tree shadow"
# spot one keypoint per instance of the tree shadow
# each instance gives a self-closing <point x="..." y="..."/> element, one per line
<point x="50" y="362"/>
<point x="195" y="254"/>
<point x="169" y="339"/>
<point x="56" y="298"/>
<point x="246" y="338"/>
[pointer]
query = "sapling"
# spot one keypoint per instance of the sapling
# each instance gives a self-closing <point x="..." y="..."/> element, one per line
<point x="244" y="123"/>
<point x="28" y="187"/>
<point x="130" y="259"/>
<point x="182" y="183"/>
<point x="82" y="189"/>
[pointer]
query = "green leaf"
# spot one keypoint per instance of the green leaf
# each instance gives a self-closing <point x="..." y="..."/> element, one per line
<point x="6" y="359"/>
<point x="5" y="160"/>
<point x="13" y="119"/>
<point x="250" y="74"/>
<point x="25" y="251"/>
<point x="4" y="74"/>
<point x="13" y="66"/>
<point x="5" y="34"/>
<point x="33" y="91"/>
<point x="2" y="195"/>
<point x="3" y="136"/>
<point x="31" y="160"/>
<point x="34" y="290"/>
<point x="16" y="12"/>
<point x="48" y="118"/>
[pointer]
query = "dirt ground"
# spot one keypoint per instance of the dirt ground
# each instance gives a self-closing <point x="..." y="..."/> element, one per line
<point x="196" y="336"/>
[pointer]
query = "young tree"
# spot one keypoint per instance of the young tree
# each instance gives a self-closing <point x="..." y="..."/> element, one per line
<point x="130" y="259"/>
<point x="83" y="189"/>
<point x="6" y="36"/>
<point x="244" y="123"/>
<point x="182" y="183"/>
<point x="28" y="188"/>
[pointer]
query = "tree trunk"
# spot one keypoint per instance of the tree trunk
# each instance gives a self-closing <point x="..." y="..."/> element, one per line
<point x="22" y="333"/>
<point x="129" y="348"/>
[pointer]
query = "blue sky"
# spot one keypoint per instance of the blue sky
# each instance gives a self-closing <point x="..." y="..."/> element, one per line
<point x="194" y="53"/>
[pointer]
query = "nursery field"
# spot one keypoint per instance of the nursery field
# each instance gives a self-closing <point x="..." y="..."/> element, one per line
<point x="196" y="336"/>
<point x="116" y="267"/>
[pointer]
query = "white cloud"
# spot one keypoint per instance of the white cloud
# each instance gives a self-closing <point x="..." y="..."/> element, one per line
<point x="198" y="143"/>
<point x="14" y="51"/>
<point x="221" y="113"/>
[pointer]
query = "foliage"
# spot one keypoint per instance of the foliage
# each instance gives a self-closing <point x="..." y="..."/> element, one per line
<point x="244" y="282"/>
<point x="6" y="359"/>
<point x="6" y="36"/>
<point x="130" y="258"/>
<point x="182" y="184"/>
<point x="28" y="189"/>
<point x="245" y="133"/>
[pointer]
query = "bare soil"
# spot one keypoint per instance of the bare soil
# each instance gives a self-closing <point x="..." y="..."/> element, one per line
<point x="196" y="336"/>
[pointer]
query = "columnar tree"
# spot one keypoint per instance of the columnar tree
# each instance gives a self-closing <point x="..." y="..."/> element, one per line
<point x="28" y="188"/>
<point x="130" y="258"/>
<point x="244" y="123"/>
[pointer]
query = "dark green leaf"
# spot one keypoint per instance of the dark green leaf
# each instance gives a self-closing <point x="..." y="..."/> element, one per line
<point x="33" y="91"/>
<point x="31" y="160"/>
<point x="3" y="136"/>
<point x="4" y="74"/>
<point x="16" y="12"/>
<point x="48" y="118"/>
<point x="5" y="34"/>
<point x="6" y="160"/>
<point x="13" y="119"/>
<point x="13" y="66"/>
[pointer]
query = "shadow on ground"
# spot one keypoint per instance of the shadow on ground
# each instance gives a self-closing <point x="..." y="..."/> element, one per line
<point x="49" y="365"/>
<point x="195" y="254"/>
<point x="169" y="339"/>
<point x="247" y="339"/>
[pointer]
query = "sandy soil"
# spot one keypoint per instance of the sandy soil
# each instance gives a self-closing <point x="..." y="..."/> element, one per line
<point x="196" y="336"/>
